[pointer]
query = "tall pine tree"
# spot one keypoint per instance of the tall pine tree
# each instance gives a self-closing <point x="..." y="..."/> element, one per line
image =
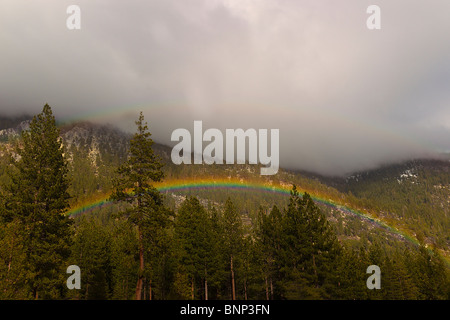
<point x="232" y="228"/>
<point x="134" y="185"/>
<point x="37" y="199"/>
<point x="269" y="234"/>
<point x="195" y="241"/>
<point x="309" y="251"/>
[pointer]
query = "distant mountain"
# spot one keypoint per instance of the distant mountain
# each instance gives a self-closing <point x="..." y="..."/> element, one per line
<point x="415" y="191"/>
<point x="413" y="196"/>
<point x="12" y="122"/>
<point x="12" y="131"/>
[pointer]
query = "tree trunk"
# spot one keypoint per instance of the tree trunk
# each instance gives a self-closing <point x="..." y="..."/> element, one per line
<point x="267" y="290"/>
<point x="10" y="255"/>
<point x="145" y="288"/>
<point x="141" y="266"/>
<point x="10" y="259"/>
<point x="233" y="292"/>
<point x="315" y="271"/>
<point x="192" y="289"/>
<point x="245" y="289"/>
<point x="150" y="289"/>
<point x="271" y="289"/>
<point x="206" y="286"/>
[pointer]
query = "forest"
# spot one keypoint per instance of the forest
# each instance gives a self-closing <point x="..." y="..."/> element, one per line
<point x="147" y="247"/>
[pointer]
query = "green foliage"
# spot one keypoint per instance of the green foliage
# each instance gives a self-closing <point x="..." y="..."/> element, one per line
<point x="413" y="193"/>
<point x="39" y="176"/>
<point x="308" y="250"/>
<point x="430" y="275"/>
<point x="36" y="199"/>
<point x="13" y="271"/>
<point x="218" y="244"/>
<point x="133" y="185"/>
<point x="90" y="251"/>
<point x="193" y="232"/>
<point x="124" y="261"/>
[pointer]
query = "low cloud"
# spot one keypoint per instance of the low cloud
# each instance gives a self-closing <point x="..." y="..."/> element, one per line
<point x="344" y="97"/>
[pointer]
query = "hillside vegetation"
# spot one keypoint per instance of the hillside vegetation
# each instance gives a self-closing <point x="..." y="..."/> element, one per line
<point x="224" y="243"/>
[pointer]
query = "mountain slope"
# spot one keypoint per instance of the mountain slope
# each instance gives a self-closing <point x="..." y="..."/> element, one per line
<point x="412" y="197"/>
<point x="415" y="192"/>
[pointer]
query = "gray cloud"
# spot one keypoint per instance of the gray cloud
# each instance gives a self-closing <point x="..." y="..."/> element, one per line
<point x="344" y="97"/>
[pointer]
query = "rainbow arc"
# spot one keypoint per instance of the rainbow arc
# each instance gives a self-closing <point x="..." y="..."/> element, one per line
<point x="238" y="184"/>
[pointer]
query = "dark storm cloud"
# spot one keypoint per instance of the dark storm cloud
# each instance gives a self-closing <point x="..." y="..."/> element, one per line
<point x="343" y="97"/>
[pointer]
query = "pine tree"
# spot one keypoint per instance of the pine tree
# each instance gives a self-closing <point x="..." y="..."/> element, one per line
<point x="310" y="249"/>
<point x="134" y="185"/>
<point x="232" y="229"/>
<point x="430" y="275"/>
<point x="219" y="261"/>
<point x="91" y="253"/>
<point x="37" y="198"/>
<point x="13" y="275"/>
<point x="397" y="282"/>
<point x="194" y="238"/>
<point x="269" y="235"/>
<point x="247" y="266"/>
<point x="124" y="248"/>
<point x="351" y="276"/>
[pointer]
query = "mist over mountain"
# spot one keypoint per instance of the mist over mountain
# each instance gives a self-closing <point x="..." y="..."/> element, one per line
<point x="363" y="168"/>
<point x="397" y="211"/>
<point x="414" y="193"/>
<point x="344" y="97"/>
<point x="85" y="130"/>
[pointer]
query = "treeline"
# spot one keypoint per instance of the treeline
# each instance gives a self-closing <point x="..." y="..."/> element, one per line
<point x="418" y="200"/>
<point x="204" y="249"/>
<point x="147" y="251"/>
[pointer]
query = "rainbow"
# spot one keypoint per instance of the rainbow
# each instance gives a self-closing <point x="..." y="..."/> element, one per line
<point x="233" y="184"/>
<point x="175" y="185"/>
<point x="89" y="206"/>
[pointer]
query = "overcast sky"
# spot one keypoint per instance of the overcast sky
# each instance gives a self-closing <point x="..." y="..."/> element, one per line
<point x="344" y="97"/>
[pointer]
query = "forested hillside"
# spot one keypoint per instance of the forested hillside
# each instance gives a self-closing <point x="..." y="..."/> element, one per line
<point x="415" y="192"/>
<point x="208" y="243"/>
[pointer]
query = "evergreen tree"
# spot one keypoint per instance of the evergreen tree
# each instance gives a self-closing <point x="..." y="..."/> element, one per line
<point x="124" y="249"/>
<point x="430" y="275"/>
<point x="161" y="270"/>
<point x="134" y="186"/>
<point x="232" y="230"/>
<point x="91" y="253"/>
<point x="37" y="199"/>
<point x="13" y="274"/>
<point x="310" y="250"/>
<point x="194" y="238"/>
<point x="351" y="276"/>
<point x="219" y="261"/>
<point x="397" y="283"/>
<point x="269" y="235"/>
<point x="247" y="267"/>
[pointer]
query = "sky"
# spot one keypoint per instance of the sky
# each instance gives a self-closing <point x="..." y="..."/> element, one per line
<point x="344" y="97"/>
